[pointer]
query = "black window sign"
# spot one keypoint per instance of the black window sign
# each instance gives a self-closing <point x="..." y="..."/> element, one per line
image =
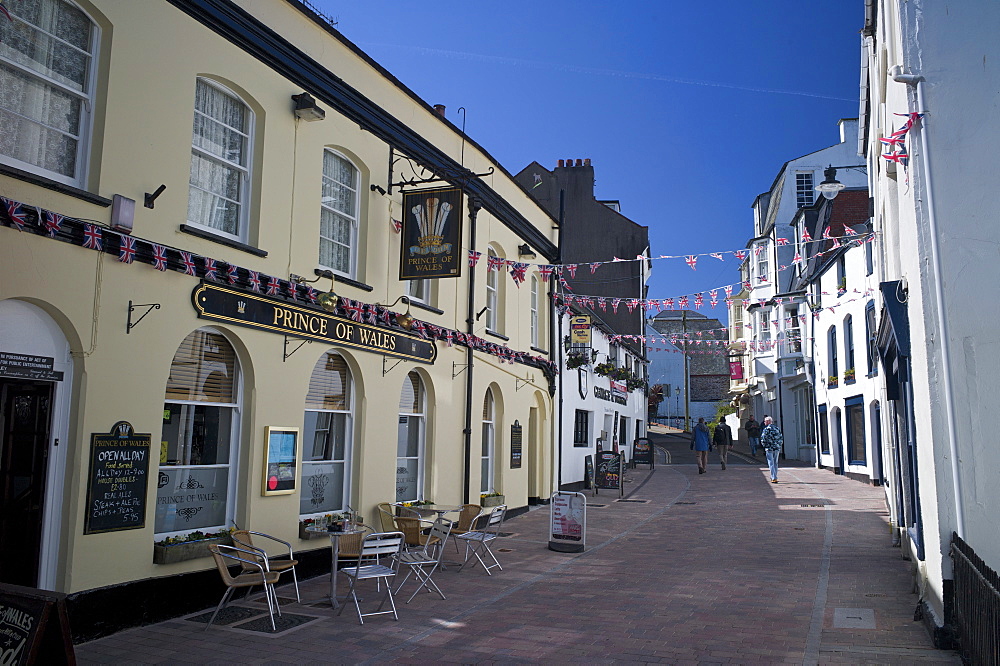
<point x="516" y="431"/>
<point x="34" y="627"/>
<point x="432" y="234"/>
<point x="116" y="488"/>
<point x="609" y="470"/>
<point x="642" y="452"/>
<point x="26" y="366"/>
<point x="243" y="308"/>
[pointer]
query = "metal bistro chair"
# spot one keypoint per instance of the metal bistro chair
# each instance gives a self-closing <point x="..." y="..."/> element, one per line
<point x="254" y="572"/>
<point x="477" y="542"/>
<point x="277" y="563"/>
<point x="387" y="516"/>
<point x="424" y="562"/>
<point x="466" y="521"/>
<point x="373" y="547"/>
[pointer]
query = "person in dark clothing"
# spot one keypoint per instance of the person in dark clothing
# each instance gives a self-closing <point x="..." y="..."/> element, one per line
<point x="723" y="440"/>
<point x="753" y="434"/>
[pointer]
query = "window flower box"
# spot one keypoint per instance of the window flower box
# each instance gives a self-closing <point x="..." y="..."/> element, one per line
<point x="492" y="499"/>
<point x="849" y="376"/>
<point x="189" y="547"/>
<point x="832" y="382"/>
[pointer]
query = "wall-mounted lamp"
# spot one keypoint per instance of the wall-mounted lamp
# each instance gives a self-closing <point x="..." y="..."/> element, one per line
<point x="306" y="108"/>
<point x="525" y="251"/>
<point x="377" y="188"/>
<point x="327" y="300"/>
<point x="404" y="320"/>
<point x="831" y="187"/>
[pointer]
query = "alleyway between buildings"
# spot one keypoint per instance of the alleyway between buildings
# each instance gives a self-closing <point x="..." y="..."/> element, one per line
<point x="720" y="568"/>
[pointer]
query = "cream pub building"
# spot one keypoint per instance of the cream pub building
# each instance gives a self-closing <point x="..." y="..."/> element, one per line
<point x="202" y="259"/>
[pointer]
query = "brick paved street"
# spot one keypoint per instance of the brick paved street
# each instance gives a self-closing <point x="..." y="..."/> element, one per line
<point x="721" y="568"/>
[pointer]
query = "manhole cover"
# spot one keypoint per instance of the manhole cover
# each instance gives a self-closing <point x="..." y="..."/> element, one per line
<point x="633" y="501"/>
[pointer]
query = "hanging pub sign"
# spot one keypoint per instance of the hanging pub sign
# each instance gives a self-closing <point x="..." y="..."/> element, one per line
<point x="431" y="234"/>
<point x="221" y="303"/>
<point x="579" y="330"/>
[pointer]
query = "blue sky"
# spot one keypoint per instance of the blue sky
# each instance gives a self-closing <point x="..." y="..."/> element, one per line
<point x="686" y="109"/>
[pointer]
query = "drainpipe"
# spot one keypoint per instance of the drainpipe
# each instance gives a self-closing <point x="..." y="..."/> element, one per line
<point x="470" y="321"/>
<point x="557" y="345"/>
<point x="917" y="82"/>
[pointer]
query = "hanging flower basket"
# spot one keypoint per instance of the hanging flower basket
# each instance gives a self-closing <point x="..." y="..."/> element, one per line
<point x="191" y="547"/>
<point x="493" y="499"/>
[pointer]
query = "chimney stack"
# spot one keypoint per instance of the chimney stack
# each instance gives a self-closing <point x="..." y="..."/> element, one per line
<point x="439" y="108"/>
<point x="561" y="163"/>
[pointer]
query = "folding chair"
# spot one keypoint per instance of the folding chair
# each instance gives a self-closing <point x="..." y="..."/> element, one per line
<point x="478" y="542"/>
<point x="386" y="516"/>
<point x="466" y="521"/>
<point x="277" y="563"/>
<point x="424" y="562"/>
<point x="255" y="572"/>
<point x="373" y="547"/>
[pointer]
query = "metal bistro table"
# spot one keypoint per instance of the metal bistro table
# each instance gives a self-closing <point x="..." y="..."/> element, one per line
<point x="439" y="509"/>
<point x="335" y="555"/>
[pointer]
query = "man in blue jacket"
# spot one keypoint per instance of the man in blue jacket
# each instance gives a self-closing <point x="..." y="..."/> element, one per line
<point x="701" y="444"/>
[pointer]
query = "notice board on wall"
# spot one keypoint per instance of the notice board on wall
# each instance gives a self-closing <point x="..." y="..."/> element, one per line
<point x="116" y="484"/>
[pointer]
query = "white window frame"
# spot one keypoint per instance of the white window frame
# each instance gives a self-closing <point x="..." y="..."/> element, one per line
<point x="243" y="167"/>
<point x="762" y="263"/>
<point x="489" y="442"/>
<point x="86" y="97"/>
<point x="493" y="296"/>
<point x="534" y="312"/>
<point x="348" y="447"/>
<point x="353" y="216"/>
<point x="419" y="291"/>
<point x="803" y="188"/>
<point x="421" y="419"/>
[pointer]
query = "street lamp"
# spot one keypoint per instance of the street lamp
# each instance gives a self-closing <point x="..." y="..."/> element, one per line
<point x="831" y="187"/>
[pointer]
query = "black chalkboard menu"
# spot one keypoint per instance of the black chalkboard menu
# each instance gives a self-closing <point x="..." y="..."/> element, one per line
<point x="642" y="452"/>
<point x="609" y="470"/>
<point x="515" y="445"/>
<point x="116" y="485"/>
<point x="34" y="627"/>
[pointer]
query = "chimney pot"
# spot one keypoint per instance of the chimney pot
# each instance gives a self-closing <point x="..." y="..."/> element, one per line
<point x="440" y="109"/>
<point x="586" y="162"/>
<point x="561" y="162"/>
<point x="579" y="162"/>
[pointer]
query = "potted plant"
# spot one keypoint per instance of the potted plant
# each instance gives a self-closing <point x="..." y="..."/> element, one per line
<point x="832" y="382"/>
<point x="604" y="369"/>
<point x="491" y="498"/>
<point x="189" y="546"/>
<point x="577" y="360"/>
<point x="849" y="375"/>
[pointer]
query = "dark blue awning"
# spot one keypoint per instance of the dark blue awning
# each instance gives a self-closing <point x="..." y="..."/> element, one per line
<point x="895" y="324"/>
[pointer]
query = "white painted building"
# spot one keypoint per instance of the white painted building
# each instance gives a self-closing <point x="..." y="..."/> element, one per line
<point x="596" y="411"/>
<point x="938" y="336"/>
<point x="775" y="385"/>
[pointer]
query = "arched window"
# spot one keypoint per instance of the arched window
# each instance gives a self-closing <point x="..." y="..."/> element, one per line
<point x="200" y="436"/>
<point x="493" y="295"/>
<point x="410" y="440"/>
<point x="219" y="184"/>
<point x="338" y="226"/>
<point x="327" y="437"/>
<point x="489" y="444"/>
<point x="48" y="82"/>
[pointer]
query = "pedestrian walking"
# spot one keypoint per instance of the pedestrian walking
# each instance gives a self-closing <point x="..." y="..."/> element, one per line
<point x="771" y="440"/>
<point x="723" y="440"/>
<point x="701" y="444"/>
<point x="753" y="434"/>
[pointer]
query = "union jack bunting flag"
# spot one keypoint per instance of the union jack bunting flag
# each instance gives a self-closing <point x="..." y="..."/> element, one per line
<point x="717" y="255"/>
<point x="729" y="290"/>
<point x="571" y="269"/>
<point x="565" y="285"/>
<point x="747" y="285"/>
<point x="273" y="286"/>
<point x="159" y="257"/>
<point x="652" y="304"/>
<point x="893" y="141"/>
<point x="691" y="260"/>
<point x="897" y="157"/>
<point x="188" y="262"/>
<point x="714" y="297"/>
<point x="210" y="269"/>
<point x="631" y="303"/>
<point x="15" y="211"/>
<point x="614" y="304"/>
<point x="126" y="249"/>
<point x="293" y="290"/>
<point x="53" y="221"/>
<point x="92" y="237"/>
<point x="353" y="309"/>
<point x="419" y="328"/>
<point x="828" y="236"/>
<point x="729" y="302"/>
<point x="779" y="301"/>
<point x="449" y="337"/>
<point x="806" y="238"/>
<point x="682" y="302"/>
<point x="802" y="319"/>
<point x="594" y="266"/>
<point x="602" y="303"/>
<point x="254" y="281"/>
<point x="797" y="258"/>
<point x="757" y="250"/>
<point x="517" y="272"/>
<point x="370" y="315"/>
<point x="668" y="304"/>
<point x="495" y="263"/>
<point x="397" y="225"/>
<point x="699" y="300"/>
<point x="546" y="271"/>
<point x="311" y="294"/>
<point x="474" y="258"/>
<point x="781" y="242"/>
<point x="740" y="254"/>
<point x="231" y="273"/>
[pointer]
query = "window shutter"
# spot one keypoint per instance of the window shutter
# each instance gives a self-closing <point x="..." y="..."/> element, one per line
<point x="410" y="398"/>
<point x="329" y="385"/>
<point x="203" y="369"/>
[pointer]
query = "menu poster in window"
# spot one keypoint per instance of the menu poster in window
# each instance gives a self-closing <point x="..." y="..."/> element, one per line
<point x="281" y="449"/>
<point x="116" y="485"/>
<point x="516" y="435"/>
